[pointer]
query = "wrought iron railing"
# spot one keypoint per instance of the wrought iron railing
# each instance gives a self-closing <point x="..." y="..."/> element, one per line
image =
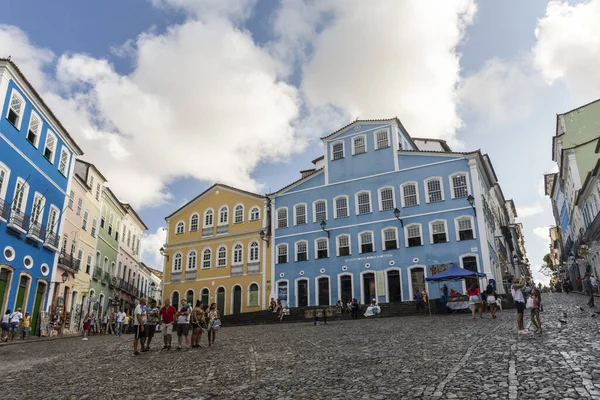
<point x="18" y="221"/>
<point x="106" y="277"/>
<point x="52" y="240"/>
<point x="4" y="209"/>
<point x="97" y="273"/>
<point x="36" y="231"/>
<point x="67" y="261"/>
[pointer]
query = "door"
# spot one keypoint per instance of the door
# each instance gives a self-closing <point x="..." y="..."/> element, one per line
<point x="4" y="278"/>
<point x="417" y="276"/>
<point x="394" y="287"/>
<point x="204" y="298"/>
<point x="323" y="291"/>
<point x="21" y="293"/>
<point x="346" y="288"/>
<point x="302" y="293"/>
<point x="470" y="264"/>
<point x="237" y="300"/>
<point x="368" y="287"/>
<point x="40" y="293"/>
<point x="221" y="300"/>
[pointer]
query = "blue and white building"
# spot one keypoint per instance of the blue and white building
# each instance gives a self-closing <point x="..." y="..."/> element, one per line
<point x="37" y="156"/>
<point x="380" y="212"/>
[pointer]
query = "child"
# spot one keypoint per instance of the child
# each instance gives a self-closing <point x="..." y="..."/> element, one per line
<point x="86" y="327"/>
<point x="535" y="311"/>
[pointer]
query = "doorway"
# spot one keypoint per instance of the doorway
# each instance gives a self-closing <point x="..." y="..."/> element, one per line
<point x="221" y="300"/>
<point x="324" y="291"/>
<point x="346" y="288"/>
<point x="40" y="294"/>
<point x="4" y="287"/>
<point x="237" y="299"/>
<point x="394" y="286"/>
<point x="470" y="264"/>
<point x="368" y="287"/>
<point x="303" y="293"/>
<point x="21" y="293"/>
<point x="417" y="278"/>
<point x="204" y="297"/>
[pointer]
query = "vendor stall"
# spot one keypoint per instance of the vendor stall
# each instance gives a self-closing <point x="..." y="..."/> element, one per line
<point x="455" y="273"/>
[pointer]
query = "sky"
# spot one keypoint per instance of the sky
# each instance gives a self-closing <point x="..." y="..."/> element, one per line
<point x="167" y="97"/>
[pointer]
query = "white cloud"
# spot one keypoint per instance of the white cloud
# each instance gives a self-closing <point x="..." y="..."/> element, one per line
<point x="150" y="248"/>
<point x="568" y="46"/>
<point x="529" y="210"/>
<point x="542" y="232"/>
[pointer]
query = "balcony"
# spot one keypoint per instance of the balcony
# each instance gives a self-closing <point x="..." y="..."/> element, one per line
<point x="176" y="276"/>
<point x="36" y="232"/>
<point x="97" y="273"/>
<point x="114" y="282"/>
<point x="68" y="262"/>
<point x="4" y="210"/>
<point x="18" y="221"/>
<point x="222" y="229"/>
<point x="237" y="270"/>
<point x="207" y="231"/>
<point x="190" y="275"/>
<point x="254" y="267"/>
<point x="106" y="278"/>
<point x="52" y="241"/>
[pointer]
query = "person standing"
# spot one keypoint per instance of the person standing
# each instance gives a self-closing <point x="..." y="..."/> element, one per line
<point x="119" y="324"/>
<point x="213" y="318"/>
<point x="197" y="324"/>
<point x="15" y="322"/>
<point x="354" y="307"/>
<point x="86" y="326"/>
<point x="167" y="316"/>
<point x="26" y="326"/>
<point x="139" y="316"/>
<point x="183" y="325"/>
<point x="589" y="290"/>
<point x="536" y="296"/>
<point x="151" y="323"/>
<point x="490" y="295"/>
<point x="6" y="326"/>
<point x="517" y="294"/>
<point x="475" y="300"/>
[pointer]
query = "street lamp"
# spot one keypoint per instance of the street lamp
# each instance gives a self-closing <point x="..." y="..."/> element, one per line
<point x="397" y="215"/>
<point x="264" y="237"/>
<point x="471" y="201"/>
<point x="323" y="226"/>
<point x="164" y="253"/>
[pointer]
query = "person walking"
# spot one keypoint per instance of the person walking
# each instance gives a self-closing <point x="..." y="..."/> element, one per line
<point x="536" y="296"/>
<point x="167" y="316"/>
<point x="86" y="327"/>
<point x="183" y="326"/>
<point x="589" y="290"/>
<point x="517" y="294"/>
<point x="5" y="326"/>
<point x="197" y="324"/>
<point x="151" y="322"/>
<point x="354" y="308"/>
<point x="490" y="296"/>
<point x="139" y="323"/>
<point x="214" y="322"/>
<point x="26" y="326"/>
<point x="15" y="322"/>
<point x="475" y="300"/>
<point x="119" y="325"/>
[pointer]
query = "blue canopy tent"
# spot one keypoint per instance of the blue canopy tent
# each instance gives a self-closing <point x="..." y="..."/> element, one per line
<point x="454" y="273"/>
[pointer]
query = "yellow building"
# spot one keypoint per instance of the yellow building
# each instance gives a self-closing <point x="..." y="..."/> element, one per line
<point x="214" y="251"/>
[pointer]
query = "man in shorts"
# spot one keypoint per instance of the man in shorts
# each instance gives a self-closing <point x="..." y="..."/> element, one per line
<point x="151" y="323"/>
<point x="139" y="321"/>
<point x="183" y="325"/>
<point x="167" y="316"/>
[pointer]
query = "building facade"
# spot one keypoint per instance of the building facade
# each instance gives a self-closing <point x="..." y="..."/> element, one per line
<point x="215" y="253"/>
<point x="36" y="166"/>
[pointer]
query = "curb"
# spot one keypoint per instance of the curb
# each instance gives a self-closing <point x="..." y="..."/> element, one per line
<point x="38" y="340"/>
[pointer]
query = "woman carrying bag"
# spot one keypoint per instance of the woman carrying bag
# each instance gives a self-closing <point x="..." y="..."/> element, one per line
<point x="474" y="299"/>
<point x="214" y="323"/>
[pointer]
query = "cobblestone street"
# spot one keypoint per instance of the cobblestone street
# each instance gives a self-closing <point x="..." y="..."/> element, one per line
<point x="441" y="357"/>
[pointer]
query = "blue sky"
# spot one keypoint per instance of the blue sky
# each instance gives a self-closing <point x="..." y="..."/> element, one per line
<point x="240" y="91"/>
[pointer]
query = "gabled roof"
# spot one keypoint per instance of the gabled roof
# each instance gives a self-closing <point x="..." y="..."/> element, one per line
<point x="305" y="178"/>
<point x="259" y="196"/>
<point x="316" y="160"/>
<point x="43" y="103"/>
<point x="580" y="107"/>
<point x="93" y="166"/>
<point x="442" y="142"/>
<point x="118" y="202"/>
<point x="358" y="121"/>
<point x="135" y="214"/>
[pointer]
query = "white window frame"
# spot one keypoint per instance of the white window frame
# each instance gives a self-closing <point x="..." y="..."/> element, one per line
<point x="40" y="215"/>
<point x="15" y="93"/>
<point x="425" y="184"/>
<point x="383" y="237"/>
<point x="431" y="229"/>
<point x="451" y="183"/>
<point x="287" y="252"/>
<point x="296" y="250"/>
<point x="356" y="205"/>
<point x="98" y="191"/>
<point x="337" y="244"/>
<point x="250" y="214"/>
<point x="177" y="225"/>
<point x="174" y="264"/>
<point x="218" y="252"/>
<point x="314" y="208"/>
<point x="226" y="222"/>
<point x="406" y="233"/>
<point x="85" y="219"/>
<point x="375" y="144"/>
<point x="63" y="150"/>
<point x="6" y="180"/>
<point x="198" y="224"/>
<point x="187" y="260"/>
<point x="249" y="304"/>
<point x="235" y="215"/>
<point x="250" y="251"/>
<point x="94" y="230"/>
<point x="32" y="115"/>
<point x="317" y="250"/>
<point x="287" y="217"/>
<point x="335" y="211"/>
<point x="79" y="206"/>
<point x="204" y="225"/>
<point x="201" y="258"/>
<point x="49" y="133"/>
<point x="364" y="138"/>
<point x="456" y="231"/>
<point x="343" y="149"/>
<point x="360" y="241"/>
<point x="25" y="192"/>
<point x="402" y="193"/>
<point x="233" y="250"/>
<point x="381" y="200"/>
<point x="296" y="214"/>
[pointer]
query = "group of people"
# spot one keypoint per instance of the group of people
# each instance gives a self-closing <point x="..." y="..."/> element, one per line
<point x="13" y="323"/>
<point x="482" y="300"/>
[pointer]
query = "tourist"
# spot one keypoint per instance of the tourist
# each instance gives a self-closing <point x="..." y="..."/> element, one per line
<point x="373" y="309"/>
<point x="418" y="298"/>
<point x="167" y="316"/>
<point x="283" y="312"/>
<point x="119" y="324"/>
<point x="86" y="326"/>
<point x="475" y="299"/>
<point x="517" y="294"/>
<point x="139" y="322"/>
<point x="126" y="319"/>
<point x="535" y="311"/>
<point x="490" y="295"/>
<point x="214" y="323"/>
<point x="589" y="290"/>
<point x="26" y="326"/>
<point x="93" y="324"/>
<point x="278" y="307"/>
<point x="15" y="322"/>
<point x="104" y="324"/>
<point x="197" y="324"/>
<point x="183" y="326"/>
<point x="355" y="305"/>
<point x="151" y="322"/>
<point x="272" y="305"/>
<point x="348" y="308"/>
<point x="5" y="326"/>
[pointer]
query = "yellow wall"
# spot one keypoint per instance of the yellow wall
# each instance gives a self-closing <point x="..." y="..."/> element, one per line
<point x="212" y="278"/>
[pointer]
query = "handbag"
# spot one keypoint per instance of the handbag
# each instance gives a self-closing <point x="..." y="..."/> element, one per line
<point x="215" y="325"/>
<point x="529" y="304"/>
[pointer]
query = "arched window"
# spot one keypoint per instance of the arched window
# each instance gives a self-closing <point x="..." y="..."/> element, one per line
<point x="206" y="259"/>
<point x="205" y="296"/>
<point x="321" y="248"/>
<point x="381" y="140"/>
<point x="222" y="256"/>
<point x="189" y="297"/>
<point x="390" y="239"/>
<point x="254" y="252"/>
<point x="177" y="262"/>
<point x="223" y="215"/>
<point x="460" y="187"/>
<point x="239" y="214"/>
<point x="238" y="254"/>
<point x="103" y="217"/>
<point x="254" y="214"/>
<point x="359" y="144"/>
<point x="111" y="220"/>
<point x="254" y="295"/>
<point x="194" y="223"/>
<point x="180" y="228"/>
<point x="175" y="299"/>
<point x="191" y="261"/>
<point x="208" y="218"/>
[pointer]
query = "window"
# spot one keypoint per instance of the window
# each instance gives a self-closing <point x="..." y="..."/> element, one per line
<point x="88" y="264"/>
<point x="282" y="254"/>
<point x="343" y="245"/>
<point x="390" y="239"/>
<point x="180" y="228"/>
<point x="191" y="260"/>
<point x="97" y="190"/>
<point x="71" y="199"/>
<point x="94" y="227"/>
<point x="413" y="235"/>
<point x="254" y="294"/>
<point x="359" y="145"/>
<point x="133" y="244"/>
<point x="194" y="223"/>
<point x="434" y="190"/>
<point x="386" y="199"/>
<point x="238" y="254"/>
<point x="84" y="222"/>
<point x="129" y="238"/>
<point x="320" y="210"/>
<point x="366" y="242"/>
<point x="438" y="232"/>
<point x="37" y="208"/>
<point x="464" y="226"/>
<point x="21" y="195"/>
<point x="79" y="206"/>
<point x="363" y="203"/>
<point x="409" y="195"/>
<point x="239" y="214"/>
<point x="63" y="165"/>
<point x="177" y="262"/>
<point x="50" y="146"/>
<point x="459" y="186"/>
<point x="92" y="182"/>
<point x="322" y="248"/>
<point x="124" y="233"/>
<point x="224" y="216"/>
<point x="4" y="175"/>
<point x="341" y="207"/>
<point x="15" y="110"/>
<point x="254" y="214"/>
<point x="337" y="150"/>
<point x="301" y="251"/>
<point x="222" y="256"/>
<point x="300" y="211"/>
<point x="35" y="126"/>
<point x="103" y="217"/>
<point x="117" y="230"/>
<point x="381" y="140"/>
<point x="254" y="252"/>
<point x="208" y="218"/>
<point x="282" y="218"/>
<point x="111" y="219"/>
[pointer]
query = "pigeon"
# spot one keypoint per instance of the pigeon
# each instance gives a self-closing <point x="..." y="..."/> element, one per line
<point x="565" y="315"/>
<point x="581" y="308"/>
<point x="593" y="315"/>
<point x="562" y="321"/>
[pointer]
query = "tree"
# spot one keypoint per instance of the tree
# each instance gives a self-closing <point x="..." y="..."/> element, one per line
<point x="548" y="268"/>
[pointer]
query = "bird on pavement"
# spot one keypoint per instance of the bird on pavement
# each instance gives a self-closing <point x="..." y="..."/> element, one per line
<point x="581" y="308"/>
<point x="562" y="321"/>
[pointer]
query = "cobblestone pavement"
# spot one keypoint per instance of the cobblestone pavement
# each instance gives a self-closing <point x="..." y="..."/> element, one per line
<point x="442" y="357"/>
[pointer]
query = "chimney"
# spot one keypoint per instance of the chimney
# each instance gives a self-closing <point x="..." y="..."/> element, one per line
<point x="307" y="172"/>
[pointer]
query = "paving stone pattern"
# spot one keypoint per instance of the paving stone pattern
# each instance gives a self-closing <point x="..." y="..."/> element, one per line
<point x="442" y="357"/>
